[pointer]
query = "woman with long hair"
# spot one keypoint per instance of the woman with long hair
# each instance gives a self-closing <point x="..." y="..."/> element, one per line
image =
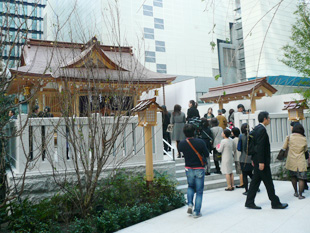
<point x="166" y="121"/>
<point x="296" y="163"/>
<point x="178" y="120"/>
<point x="209" y="115"/>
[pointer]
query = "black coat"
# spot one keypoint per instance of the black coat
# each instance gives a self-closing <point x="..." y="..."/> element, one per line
<point x="262" y="146"/>
<point x="166" y="121"/>
<point x="192" y="112"/>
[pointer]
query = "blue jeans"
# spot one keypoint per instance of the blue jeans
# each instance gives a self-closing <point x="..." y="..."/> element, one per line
<point x="195" y="180"/>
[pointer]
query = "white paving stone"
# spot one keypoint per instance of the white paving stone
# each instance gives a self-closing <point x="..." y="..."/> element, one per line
<point x="224" y="212"/>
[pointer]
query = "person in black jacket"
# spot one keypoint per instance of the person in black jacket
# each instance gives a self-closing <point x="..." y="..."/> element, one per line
<point x="166" y="121"/>
<point x="261" y="163"/>
<point x="192" y="112"/>
<point x="207" y="136"/>
<point x="194" y="168"/>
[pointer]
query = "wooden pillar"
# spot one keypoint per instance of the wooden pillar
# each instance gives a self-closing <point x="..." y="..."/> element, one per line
<point x="148" y="153"/>
<point x="39" y="96"/>
<point x="221" y="106"/>
<point x="253" y="105"/>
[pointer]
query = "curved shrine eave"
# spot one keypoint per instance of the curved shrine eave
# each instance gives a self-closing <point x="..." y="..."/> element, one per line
<point x="21" y="80"/>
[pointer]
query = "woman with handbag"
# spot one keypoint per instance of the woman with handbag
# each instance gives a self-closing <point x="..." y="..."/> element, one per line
<point x="166" y="121"/>
<point x="226" y="148"/>
<point x="178" y="121"/>
<point x="296" y="162"/>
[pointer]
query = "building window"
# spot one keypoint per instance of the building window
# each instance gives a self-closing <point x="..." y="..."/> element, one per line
<point x="34" y="25"/>
<point x="149" y="33"/>
<point x="25" y="9"/>
<point x="13" y="51"/>
<point x="160" y="46"/>
<point x="158" y="3"/>
<point x="229" y="57"/>
<point x="35" y="11"/>
<point x="161" y="68"/>
<point x="12" y="8"/>
<point x="158" y="23"/>
<point x="147" y="10"/>
<point x="150" y="56"/>
<point x="12" y="37"/>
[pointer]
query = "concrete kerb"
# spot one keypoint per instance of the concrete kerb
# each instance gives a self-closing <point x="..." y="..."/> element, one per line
<point x="41" y="185"/>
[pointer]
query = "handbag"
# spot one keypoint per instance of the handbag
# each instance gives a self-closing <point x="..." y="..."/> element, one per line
<point x="217" y="155"/>
<point x="283" y="152"/>
<point x="203" y="161"/>
<point x="170" y="128"/>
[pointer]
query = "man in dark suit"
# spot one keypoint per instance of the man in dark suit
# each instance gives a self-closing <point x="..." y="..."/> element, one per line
<point x="261" y="163"/>
<point x="192" y="112"/>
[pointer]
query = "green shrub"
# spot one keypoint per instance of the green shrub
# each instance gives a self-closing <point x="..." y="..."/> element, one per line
<point x="107" y="222"/>
<point x="82" y="226"/>
<point x="28" y="217"/>
<point x="119" y="202"/>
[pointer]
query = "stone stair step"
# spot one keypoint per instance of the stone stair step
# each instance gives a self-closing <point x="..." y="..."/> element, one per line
<point x="183" y="180"/>
<point x="180" y="171"/>
<point x="210" y="184"/>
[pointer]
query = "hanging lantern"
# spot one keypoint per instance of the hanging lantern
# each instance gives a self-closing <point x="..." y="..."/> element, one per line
<point x="156" y="92"/>
<point x="295" y="109"/>
<point x="147" y="112"/>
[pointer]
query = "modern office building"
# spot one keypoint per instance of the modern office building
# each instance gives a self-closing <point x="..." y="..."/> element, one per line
<point x="234" y="40"/>
<point x="19" y="20"/>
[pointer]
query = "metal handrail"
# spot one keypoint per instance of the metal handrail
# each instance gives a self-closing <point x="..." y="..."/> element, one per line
<point x="172" y="149"/>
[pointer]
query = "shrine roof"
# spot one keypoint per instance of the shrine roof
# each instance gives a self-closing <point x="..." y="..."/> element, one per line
<point x="144" y="104"/>
<point x="296" y="104"/>
<point x="237" y="91"/>
<point x="82" y="61"/>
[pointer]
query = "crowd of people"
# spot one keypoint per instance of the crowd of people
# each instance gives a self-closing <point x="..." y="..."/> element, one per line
<point x="229" y="146"/>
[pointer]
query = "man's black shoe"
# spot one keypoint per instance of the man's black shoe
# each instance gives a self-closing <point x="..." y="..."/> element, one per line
<point x="253" y="206"/>
<point x="280" y="206"/>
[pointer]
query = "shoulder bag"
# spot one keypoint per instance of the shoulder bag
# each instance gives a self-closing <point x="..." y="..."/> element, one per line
<point x="170" y="128"/>
<point x="203" y="163"/>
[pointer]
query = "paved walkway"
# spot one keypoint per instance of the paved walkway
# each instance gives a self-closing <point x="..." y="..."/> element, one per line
<point x="225" y="212"/>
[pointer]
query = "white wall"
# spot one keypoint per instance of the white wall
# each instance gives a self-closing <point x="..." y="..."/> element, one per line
<point x="178" y="93"/>
<point x="255" y="28"/>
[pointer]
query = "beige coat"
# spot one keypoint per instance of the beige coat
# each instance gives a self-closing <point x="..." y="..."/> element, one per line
<point x="296" y="154"/>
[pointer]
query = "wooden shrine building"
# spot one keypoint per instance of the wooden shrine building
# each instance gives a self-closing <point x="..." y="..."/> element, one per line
<point x="74" y="73"/>
<point x="252" y="90"/>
